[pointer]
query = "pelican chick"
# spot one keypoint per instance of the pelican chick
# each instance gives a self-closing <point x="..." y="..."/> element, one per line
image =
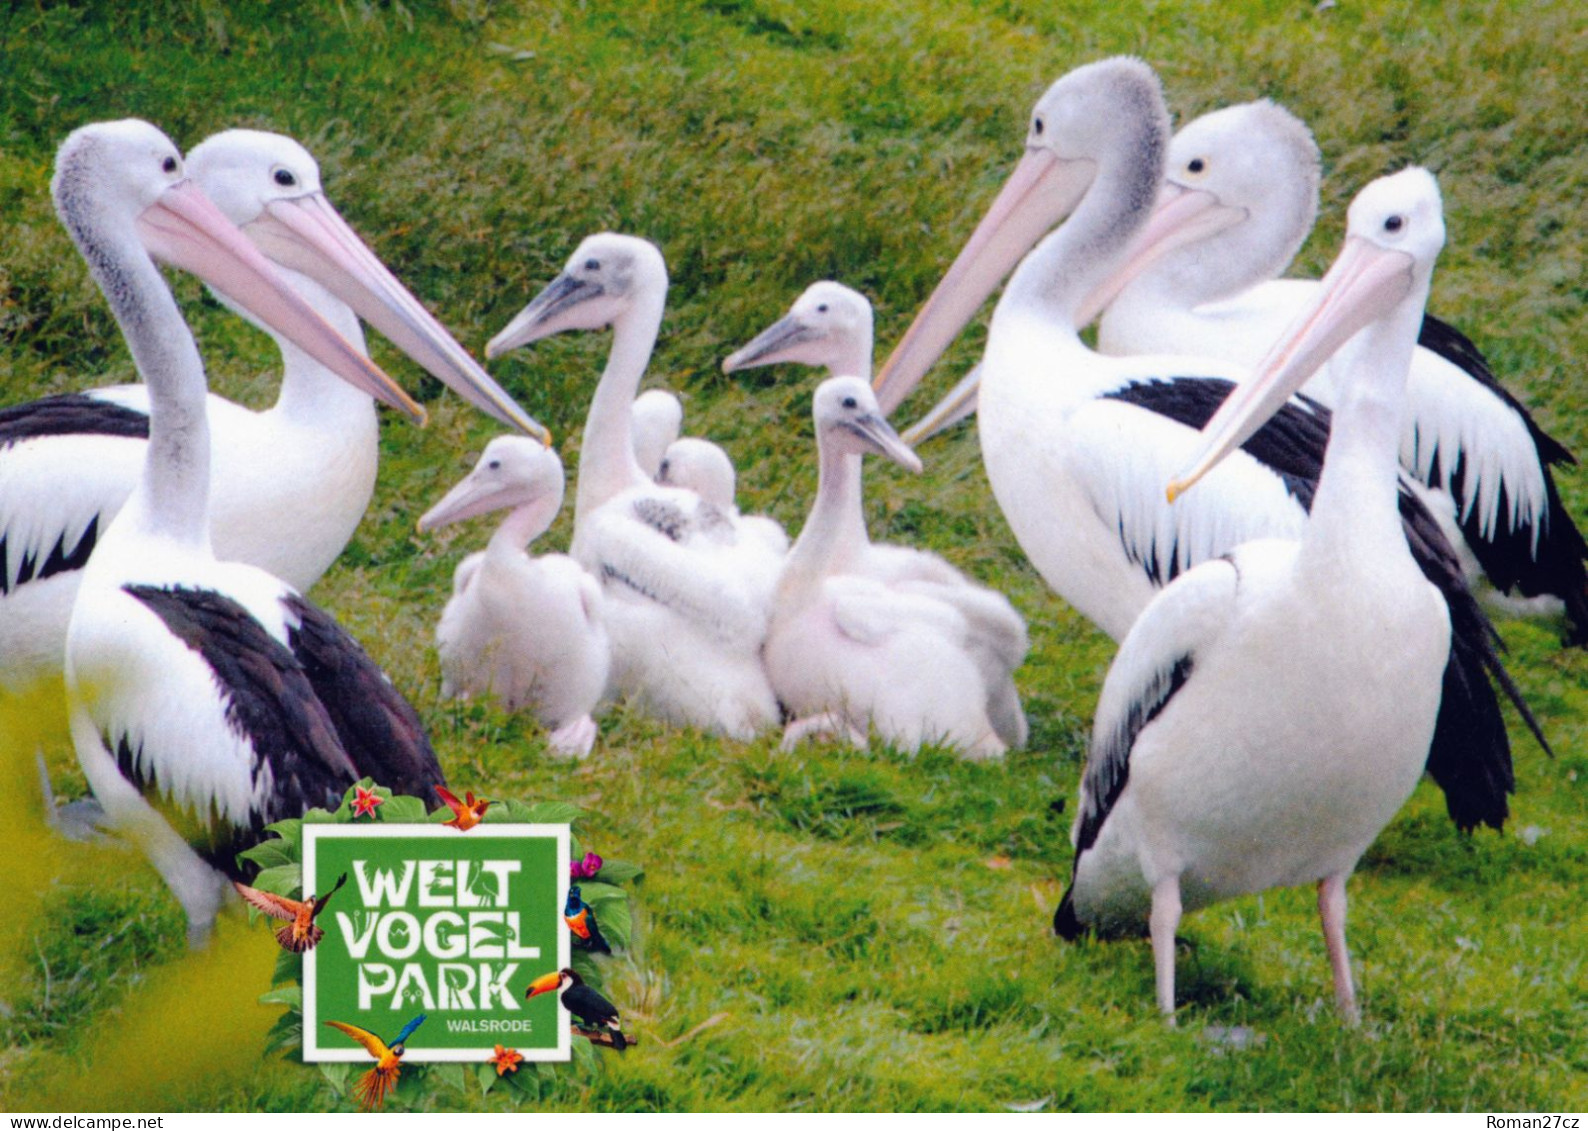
<point x="526" y="631"/>
<point x="848" y="652"/>
<point x="688" y="590"/>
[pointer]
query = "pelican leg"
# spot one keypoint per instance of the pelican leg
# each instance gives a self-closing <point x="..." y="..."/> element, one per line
<point x="81" y="820"/>
<point x="1331" y="909"/>
<point x="575" y="739"/>
<point x="829" y="724"/>
<point x="1164" y="921"/>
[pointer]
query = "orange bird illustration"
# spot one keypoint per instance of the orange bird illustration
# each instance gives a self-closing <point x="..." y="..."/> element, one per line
<point x="300" y="933"/>
<point x="373" y="1086"/>
<point x="465" y="814"/>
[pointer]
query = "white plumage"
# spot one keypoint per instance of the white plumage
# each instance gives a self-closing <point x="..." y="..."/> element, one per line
<point x="1270" y="712"/>
<point x="305" y="465"/>
<point x="688" y="590"/>
<point x="1240" y="196"/>
<point x="194" y="686"/>
<point x="528" y="631"/>
<point x="851" y="650"/>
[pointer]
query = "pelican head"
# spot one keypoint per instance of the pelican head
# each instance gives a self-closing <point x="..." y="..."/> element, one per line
<point x="702" y="467"/>
<point x="849" y="420"/>
<point x="512" y="471"/>
<point x="608" y="276"/>
<point x="829" y="325"/>
<point x="269" y="186"/>
<point x="1084" y="122"/>
<point x="1395" y="230"/>
<point x="656" y="419"/>
<point x="1247" y="174"/>
<point x="125" y="180"/>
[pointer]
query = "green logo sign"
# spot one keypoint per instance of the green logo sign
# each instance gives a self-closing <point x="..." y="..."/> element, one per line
<point x="436" y="922"/>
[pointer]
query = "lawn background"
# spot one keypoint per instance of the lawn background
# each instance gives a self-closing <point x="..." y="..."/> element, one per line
<point x="869" y="930"/>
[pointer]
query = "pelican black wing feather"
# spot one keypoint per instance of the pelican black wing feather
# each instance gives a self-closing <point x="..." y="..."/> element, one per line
<point x="70" y="414"/>
<point x="1291" y="444"/>
<point x="268" y="700"/>
<point x="1108" y="769"/>
<point x="1559" y="564"/>
<point x="379" y="729"/>
<point x="1470" y="757"/>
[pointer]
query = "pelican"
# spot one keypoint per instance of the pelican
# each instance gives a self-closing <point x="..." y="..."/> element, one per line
<point x="1240" y="197"/>
<point x="206" y="690"/>
<point x="847" y="652"/>
<point x="528" y="631"/>
<point x="830" y="326"/>
<point x="1077" y="445"/>
<point x="698" y="465"/>
<point x="658" y="418"/>
<point x="688" y="590"/>
<point x="290" y="484"/>
<point x="1270" y="711"/>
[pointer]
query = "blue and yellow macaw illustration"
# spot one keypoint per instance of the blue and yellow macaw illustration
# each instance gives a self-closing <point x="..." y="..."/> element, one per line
<point x="373" y="1086"/>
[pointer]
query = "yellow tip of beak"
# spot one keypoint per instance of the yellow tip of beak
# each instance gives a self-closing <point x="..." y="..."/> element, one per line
<point x="1176" y="489"/>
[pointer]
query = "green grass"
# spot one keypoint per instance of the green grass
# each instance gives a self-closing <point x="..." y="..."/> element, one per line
<point x="874" y="927"/>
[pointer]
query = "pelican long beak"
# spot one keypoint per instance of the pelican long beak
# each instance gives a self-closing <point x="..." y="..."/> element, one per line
<point x="1182" y="216"/>
<point x="183" y="228"/>
<point x="308" y="235"/>
<point x="881" y="437"/>
<point x="1365" y="281"/>
<point x="540" y="318"/>
<point x="1041" y="191"/>
<point x="544" y="984"/>
<point x="957" y="405"/>
<point x="471" y="497"/>
<point x="767" y="347"/>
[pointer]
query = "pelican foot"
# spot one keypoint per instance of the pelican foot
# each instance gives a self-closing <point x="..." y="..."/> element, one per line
<point x="80" y="820"/>
<point x="826" y="725"/>
<point x="575" y="740"/>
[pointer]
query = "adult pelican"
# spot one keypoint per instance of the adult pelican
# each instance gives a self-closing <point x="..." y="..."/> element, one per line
<point x="849" y="653"/>
<point x="1271" y="710"/>
<point x="202" y="694"/>
<point x="1077" y="445"/>
<point x="1239" y="198"/>
<point x="688" y="591"/>
<point x="528" y="631"/>
<point x="289" y="484"/>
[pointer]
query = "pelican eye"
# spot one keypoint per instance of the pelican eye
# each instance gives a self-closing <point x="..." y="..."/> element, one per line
<point x="822" y="309"/>
<point x="169" y="165"/>
<point x="1036" y="126"/>
<point x="494" y="465"/>
<point x="850" y="402"/>
<point x="1394" y="224"/>
<point x="284" y="178"/>
<point x="1196" y="165"/>
<point x="592" y="265"/>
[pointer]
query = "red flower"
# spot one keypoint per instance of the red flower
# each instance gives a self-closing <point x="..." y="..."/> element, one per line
<point x="506" y="1060"/>
<point x="364" y="801"/>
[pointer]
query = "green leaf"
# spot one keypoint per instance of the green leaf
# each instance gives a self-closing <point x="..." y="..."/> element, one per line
<point x="338" y="1073"/>
<point x="615" y="922"/>
<point x="551" y="813"/>
<point x="595" y="893"/>
<point x="284" y="995"/>
<point x="584" y="964"/>
<point x="584" y="1054"/>
<point x="403" y="810"/>
<point x="452" y="1075"/>
<point x="291" y="831"/>
<point x="289" y="968"/>
<point x="619" y="872"/>
<point x="286" y="1035"/>
<point x="486" y="1075"/>
<point x="318" y="817"/>
<point x="284" y="879"/>
<point x="269" y="853"/>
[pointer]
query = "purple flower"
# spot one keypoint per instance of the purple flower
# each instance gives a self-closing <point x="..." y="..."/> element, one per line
<point x="585" y="869"/>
